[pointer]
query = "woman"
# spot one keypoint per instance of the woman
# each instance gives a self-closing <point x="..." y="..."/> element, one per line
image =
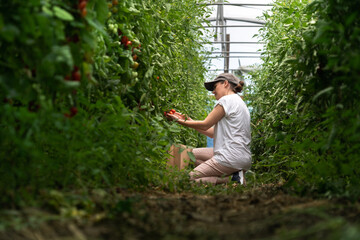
<point x="229" y="124"/>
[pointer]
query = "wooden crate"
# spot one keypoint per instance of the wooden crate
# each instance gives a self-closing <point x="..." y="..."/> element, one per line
<point x="180" y="158"/>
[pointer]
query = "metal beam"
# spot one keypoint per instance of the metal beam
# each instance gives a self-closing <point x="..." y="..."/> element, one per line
<point x="237" y="42"/>
<point x="241" y="4"/>
<point x="249" y="20"/>
<point x="239" y="52"/>
<point x="212" y="26"/>
<point x="243" y="69"/>
<point x="234" y="57"/>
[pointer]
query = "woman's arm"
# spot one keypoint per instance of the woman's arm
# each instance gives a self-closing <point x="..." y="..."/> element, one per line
<point x="209" y="132"/>
<point x="203" y="126"/>
<point x="179" y="116"/>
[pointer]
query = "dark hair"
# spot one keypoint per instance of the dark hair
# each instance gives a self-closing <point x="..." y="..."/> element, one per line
<point x="237" y="88"/>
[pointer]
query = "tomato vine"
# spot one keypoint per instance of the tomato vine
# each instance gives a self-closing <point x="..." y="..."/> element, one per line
<point x="84" y="85"/>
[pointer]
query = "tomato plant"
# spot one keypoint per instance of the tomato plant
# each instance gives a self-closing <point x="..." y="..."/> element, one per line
<point x="80" y="87"/>
<point x="305" y="97"/>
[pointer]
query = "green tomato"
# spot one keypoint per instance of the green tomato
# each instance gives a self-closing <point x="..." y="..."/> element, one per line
<point x="107" y="58"/>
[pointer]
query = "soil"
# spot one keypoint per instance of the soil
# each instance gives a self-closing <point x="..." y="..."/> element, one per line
<point x="264" y="212"/>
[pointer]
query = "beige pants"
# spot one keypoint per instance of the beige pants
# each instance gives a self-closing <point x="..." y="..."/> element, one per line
<point x="208" y="170"/>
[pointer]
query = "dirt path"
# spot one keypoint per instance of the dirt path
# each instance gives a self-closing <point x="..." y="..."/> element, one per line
<point x="262" y="213"/>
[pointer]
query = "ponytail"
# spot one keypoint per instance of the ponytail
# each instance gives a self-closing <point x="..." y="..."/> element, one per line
<point x="238" y="88"/>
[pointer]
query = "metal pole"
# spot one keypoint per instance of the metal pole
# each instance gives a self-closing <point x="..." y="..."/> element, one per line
<point x="227" y="54"/>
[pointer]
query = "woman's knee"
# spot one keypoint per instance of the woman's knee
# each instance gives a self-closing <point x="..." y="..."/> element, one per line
<point x="193" y="175"/>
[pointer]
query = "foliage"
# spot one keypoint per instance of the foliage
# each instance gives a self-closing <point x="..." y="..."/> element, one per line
<point x="77" y="111"/>
<point x="306" y="121"/>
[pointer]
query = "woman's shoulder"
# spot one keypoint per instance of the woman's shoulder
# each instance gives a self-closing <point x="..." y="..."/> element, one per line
<point x="232" y="98"/>
<point x="231" y="101"/>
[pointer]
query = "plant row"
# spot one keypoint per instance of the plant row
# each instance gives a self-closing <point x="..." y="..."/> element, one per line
<point x="84" y="85"/>
<point x="305" y="97"/>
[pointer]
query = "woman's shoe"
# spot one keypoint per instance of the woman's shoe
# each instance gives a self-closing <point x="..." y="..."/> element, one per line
<point x="239" y="177"/>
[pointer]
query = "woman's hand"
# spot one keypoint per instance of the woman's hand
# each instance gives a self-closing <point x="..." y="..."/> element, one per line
<point x="178" y="116"/>
<point x="173" y="117"/>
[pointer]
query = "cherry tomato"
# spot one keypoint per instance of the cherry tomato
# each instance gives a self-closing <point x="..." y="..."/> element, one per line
<point x="82" y="5"/>
<point x="124" y="40"/>
<point x="84" y="12"/>
<point x="135" y="65"/>
<point x="73" y="111"/>
<point x="76" y="76"/>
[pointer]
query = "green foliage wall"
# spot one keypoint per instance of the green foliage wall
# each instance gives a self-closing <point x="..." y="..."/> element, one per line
<point x="76" y="110"/>
<point x="305" y="101"/>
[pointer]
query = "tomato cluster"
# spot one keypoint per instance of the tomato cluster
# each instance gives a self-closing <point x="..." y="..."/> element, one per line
<point x="82" y="7"/>
<point x="135" y="44"/>
<point x="125" y="40"/>
<point x="73" y="112"/>
<point x="135" y="49"/>
<point x="171" y="112"/>
<point x="75" y="75"/>
<point x="112" y="6"/>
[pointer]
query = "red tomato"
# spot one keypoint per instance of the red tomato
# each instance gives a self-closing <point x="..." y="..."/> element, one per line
<point x="73" y="111"/>
<point x="124" y="40"/>
<point x="82" y="5"/>
<point x="84" y="12"/>
<point x="76" y="76"/>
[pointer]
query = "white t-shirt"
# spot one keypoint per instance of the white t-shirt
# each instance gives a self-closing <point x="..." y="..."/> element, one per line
<point x="232" y="134"/>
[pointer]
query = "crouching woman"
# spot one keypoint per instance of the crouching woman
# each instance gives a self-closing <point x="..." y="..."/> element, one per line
<point x="229" y="124"/>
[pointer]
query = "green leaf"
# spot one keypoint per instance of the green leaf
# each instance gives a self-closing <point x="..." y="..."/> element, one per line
<point x="9" y="32"/>
<point x="174" y="128"/>
<point x="71" y="84"/>
<point x="101" y="10"/>
<point x="62" y="14"/>
<point x="324" y="91"/>
<point x="191" y="156"/>
<point x="288" y="20"/>
<point x="47" y="11"/>
<point x="149" y="72"/>
<point x="98" y="26"/>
